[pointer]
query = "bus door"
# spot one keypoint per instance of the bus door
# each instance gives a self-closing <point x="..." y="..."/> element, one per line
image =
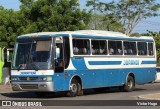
<point x="59" y="55"/>
<point x="58" y="63"/>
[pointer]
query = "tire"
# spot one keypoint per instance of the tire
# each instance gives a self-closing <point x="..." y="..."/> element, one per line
<point x="80" y="90"/>
<point x="130" y="84"/>
<point x="75" y="89"/>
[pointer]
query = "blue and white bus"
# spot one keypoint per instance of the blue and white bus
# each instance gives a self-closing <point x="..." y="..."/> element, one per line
<point x="75" y="60"/>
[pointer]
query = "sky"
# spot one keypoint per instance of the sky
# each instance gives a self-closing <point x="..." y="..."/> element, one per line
<point x="151" y="24"/>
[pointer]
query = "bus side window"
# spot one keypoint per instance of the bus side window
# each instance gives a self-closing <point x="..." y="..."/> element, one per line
<point x="111" y="51"/>
<point x="115" y="47"/>
<point x="142" y="48"/>
<point x="81" y="47"/>
<point x="119" y="51"/>
<point x="150" y="49"/>
<point x="75" y="50"/>
<point x="129" y="48"/>
<point x="99" y="47"/>
<point x="84" y="50"/>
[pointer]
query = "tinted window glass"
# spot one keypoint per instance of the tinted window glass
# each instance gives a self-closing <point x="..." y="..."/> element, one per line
<point x="130" y="48"/>
<point x="115" y="47"/>
<point x="99" y="47"/>
<point x="150" y="48"/>
<point x="142" y="48"/>
<point x="81" y="46"/>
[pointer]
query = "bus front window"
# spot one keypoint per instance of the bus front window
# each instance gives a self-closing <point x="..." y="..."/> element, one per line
<point x="32" y="55"/>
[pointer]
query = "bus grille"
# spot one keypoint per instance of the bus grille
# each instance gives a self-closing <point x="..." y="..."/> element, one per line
<point x="29" y="86"/>
<point x="28" y="78"/>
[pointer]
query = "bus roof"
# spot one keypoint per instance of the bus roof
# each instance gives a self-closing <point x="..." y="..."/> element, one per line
<point x="91" y="33"/>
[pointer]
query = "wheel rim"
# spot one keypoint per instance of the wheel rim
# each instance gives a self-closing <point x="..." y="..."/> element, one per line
<point x="130" y="84"/>
<point x="73" y="87"/>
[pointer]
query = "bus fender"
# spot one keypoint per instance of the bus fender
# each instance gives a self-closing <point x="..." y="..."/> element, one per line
<point x="77" y="77"/>
<point x="130" y="74"/>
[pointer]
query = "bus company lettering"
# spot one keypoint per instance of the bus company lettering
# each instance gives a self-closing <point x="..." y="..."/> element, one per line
<point x="28" y="73"/>
<point x="131" y="62"/>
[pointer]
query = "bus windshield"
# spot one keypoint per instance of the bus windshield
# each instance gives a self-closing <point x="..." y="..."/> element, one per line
<point x="32" y="55"/>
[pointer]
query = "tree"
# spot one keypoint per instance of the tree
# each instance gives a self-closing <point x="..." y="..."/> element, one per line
<point x="135" y="35"/>
<point x="41" y="16"/>
<point x="131" y="12"/>
<point x="8" y="27"/>
<point x="105" y="22"/>
<point x="102" y="17"/>
<point x="95" y="17"/>
<point x="128" y="12"/>
<point x="52" y="15"/>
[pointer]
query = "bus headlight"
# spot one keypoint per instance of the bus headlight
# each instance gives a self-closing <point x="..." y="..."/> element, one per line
<point x="14" y="79"/>
<point x="49" y="78"/>
<point x="46" y="79"/>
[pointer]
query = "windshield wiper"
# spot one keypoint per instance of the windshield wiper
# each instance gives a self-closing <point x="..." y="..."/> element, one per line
<point x="35" y="66"/>
<point x="19" y="67"/>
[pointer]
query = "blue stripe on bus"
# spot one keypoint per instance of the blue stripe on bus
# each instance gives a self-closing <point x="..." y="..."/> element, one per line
<point x="148" y="62"/>
<point x="104" y="62"/>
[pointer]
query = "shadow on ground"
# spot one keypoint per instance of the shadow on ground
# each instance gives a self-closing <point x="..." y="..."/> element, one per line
<point x="50" y="95"/>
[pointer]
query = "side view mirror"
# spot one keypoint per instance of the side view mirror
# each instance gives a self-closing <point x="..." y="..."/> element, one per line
<point x="57" y="53"/>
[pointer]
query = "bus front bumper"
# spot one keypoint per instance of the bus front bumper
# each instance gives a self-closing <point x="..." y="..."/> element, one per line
<point x="33" y="86"/>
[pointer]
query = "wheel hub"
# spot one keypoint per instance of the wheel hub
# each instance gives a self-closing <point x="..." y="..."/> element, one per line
<point x="73" y="88"/>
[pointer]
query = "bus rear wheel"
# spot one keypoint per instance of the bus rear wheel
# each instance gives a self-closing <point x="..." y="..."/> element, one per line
<point x="130" y="84"/>
<point x="75" y="89"/>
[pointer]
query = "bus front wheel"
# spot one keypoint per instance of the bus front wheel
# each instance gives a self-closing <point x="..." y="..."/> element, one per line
<point x="75" y="89"/>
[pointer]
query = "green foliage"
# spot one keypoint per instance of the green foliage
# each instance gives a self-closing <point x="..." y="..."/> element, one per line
<point x="131" y="12"/>
<point x="41" y="16"/>
<point x="53" y="15"/>
<point x="135" y="35"/>
<point x="102" y="17"/>
<point x="128" y="12"/>
<point x="104" y="22"/>
<point x="8" y="27"/>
